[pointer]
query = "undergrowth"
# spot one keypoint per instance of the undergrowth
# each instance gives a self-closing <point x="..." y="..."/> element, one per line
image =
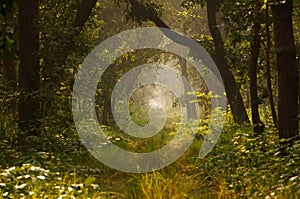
<point x="241" y="165"/>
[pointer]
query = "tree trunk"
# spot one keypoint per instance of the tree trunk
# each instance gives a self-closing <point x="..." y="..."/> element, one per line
<point x="233" y="94"/>
<point x="268" y="67"/>
<point x="255" y="47"/>
<point x="288" y="76"/>
<point x="29" y="77"/>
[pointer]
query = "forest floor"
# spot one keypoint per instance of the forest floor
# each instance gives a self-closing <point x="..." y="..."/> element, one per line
<point x="241" y="165"/>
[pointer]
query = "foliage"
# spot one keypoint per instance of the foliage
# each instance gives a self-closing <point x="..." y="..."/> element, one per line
<point x="55" y="164"/>
<point x="157" y="185"/>
<point x="253" y="167"/>
<point x="240" y="165"/>
<point x="36" y="182"/>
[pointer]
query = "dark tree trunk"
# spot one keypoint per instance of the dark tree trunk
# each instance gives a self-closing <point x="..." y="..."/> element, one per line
<point x="233" y="94"/>
<point x="288" y="76"/>
<point x="29" y="77"/>
<point x="298" y="65"/>
<point x="255" y="48"/>
<point x="268" y="67"/>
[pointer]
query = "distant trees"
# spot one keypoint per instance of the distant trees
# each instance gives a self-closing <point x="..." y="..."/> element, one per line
<point x="285" y="59"/>
<point x="48" y="31"/>
<point x="234" y="97"/>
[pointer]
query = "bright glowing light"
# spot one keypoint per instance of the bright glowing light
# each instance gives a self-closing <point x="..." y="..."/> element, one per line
<point x="156" y="105"/>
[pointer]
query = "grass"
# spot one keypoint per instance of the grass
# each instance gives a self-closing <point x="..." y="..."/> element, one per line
<point x="240" y="166"/>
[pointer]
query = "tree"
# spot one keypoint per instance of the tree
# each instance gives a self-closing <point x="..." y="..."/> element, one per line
<point x="8" y="44"/>
<point x="29" y="70"/>
<point x="255" y="49"/>
<point x="268" y="64"/>
<point x="142" y="12"/>
<point x="233" y="94"/>
<point x="65" y="40"/>
<point x="288" y="74"/>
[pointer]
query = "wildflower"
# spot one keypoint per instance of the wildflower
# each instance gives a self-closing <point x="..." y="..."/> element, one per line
<point x="41" y="177"/>
<point x="20" y="186"/>
<point x="293" y="178"/>
<point x="11" y="168"/>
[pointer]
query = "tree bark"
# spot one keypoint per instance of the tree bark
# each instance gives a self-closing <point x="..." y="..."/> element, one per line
<point x="288" y="76"/>
<point x="29" y="76"/>
<point x="255" y="48"/>
<point x="233" y="94"/>
<point x="268" y="67"/>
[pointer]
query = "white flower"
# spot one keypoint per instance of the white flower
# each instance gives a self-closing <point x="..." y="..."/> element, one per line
<point x="43" y="170"/>
<point x="20" y="186"/>
<point x="33" y="168"/>
<point x="11" y="168"/>
<point x="27" y="176"/>
<point x="31" y="193"/>
<point x="5" y="194"/>
<point x="62" y="196"/>
<point x="77" y="185"/>
<point x="5" y="173"/>
<point x="293" y="178"/>
<point x="2" y="184"/>
<point x="94" y="186"/>
<point x="41" y="177"/>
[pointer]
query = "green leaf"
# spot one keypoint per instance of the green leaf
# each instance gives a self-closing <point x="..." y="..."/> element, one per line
<point x="89" y="181"/>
